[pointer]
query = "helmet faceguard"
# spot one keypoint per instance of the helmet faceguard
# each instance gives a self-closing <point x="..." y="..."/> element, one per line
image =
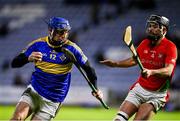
<point x="160" y="21"/>
<point x="57" y="25"/>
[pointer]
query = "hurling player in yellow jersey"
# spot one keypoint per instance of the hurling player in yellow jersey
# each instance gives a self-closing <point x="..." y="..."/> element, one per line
<point x="51" y="79"/>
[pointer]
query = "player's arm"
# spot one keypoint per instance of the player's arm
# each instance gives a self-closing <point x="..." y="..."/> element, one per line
<point x="166" y="71"/>
<point x="28" y="54"/>
<point x="90" y="72"/>
<point x="122" y="63"/>
<point x="19" y="61"/>
<point x="162" y="72"/>
<point x="22" y="59"/>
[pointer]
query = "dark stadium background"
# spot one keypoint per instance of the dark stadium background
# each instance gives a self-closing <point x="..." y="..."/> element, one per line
<point x="97" y="27"/>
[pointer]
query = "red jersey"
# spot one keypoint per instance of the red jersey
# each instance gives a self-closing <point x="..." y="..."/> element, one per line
<point x="155" y="58"/>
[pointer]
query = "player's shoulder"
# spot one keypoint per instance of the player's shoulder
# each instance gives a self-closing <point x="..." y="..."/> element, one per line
<point x="69" y="42"/>
<point x="144" y="42"/>
<point x="42" y="39"/>
<point x="74" y="45"/>
<point x="169" y="42"/>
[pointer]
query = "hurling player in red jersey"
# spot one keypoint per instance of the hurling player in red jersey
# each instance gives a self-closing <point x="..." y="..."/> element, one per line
<point x="158" y="56"/>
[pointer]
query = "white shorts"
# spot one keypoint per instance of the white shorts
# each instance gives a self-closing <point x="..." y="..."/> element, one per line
<point x="40" y="105"/>
<point x="139" y="95"/>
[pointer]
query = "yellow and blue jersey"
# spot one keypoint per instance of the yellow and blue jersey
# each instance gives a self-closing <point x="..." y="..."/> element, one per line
<point x="52" y="75"/>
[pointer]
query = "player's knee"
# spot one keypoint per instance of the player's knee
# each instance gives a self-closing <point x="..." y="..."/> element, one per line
<point x="18" y="117"/>
<point x="42" y="116"/>
<point x="121" y="116"/>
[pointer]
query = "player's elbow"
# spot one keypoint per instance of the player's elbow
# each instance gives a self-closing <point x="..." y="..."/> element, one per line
<point x="169" y="70"/>
<point x="169" y="73"/>
<point x="15" y="64"/>
<point x="19" y="61"/>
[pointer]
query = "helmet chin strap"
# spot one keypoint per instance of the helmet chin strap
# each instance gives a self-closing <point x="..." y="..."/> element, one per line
<point x="51" y="34"/>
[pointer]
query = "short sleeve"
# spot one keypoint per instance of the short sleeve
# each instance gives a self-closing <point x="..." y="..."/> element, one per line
<point x="171" y="56"/>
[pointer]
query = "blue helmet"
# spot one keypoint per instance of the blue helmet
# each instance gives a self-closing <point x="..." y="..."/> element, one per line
<point x="59" y="23"/>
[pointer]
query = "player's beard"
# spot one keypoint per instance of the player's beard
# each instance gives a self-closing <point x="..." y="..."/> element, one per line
<point x="56" y="41"/>
<point x="154" y="38"/>
<point x="56" y="45"/>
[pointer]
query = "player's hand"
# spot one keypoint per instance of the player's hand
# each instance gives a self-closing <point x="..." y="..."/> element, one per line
<point x="146" y="73"/>
<point x="107" y="63"/>
<point x="35" y="56"/>
<point x="98" y="94"/>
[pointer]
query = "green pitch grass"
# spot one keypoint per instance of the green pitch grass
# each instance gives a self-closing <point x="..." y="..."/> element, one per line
<point x="82" y="113"/>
